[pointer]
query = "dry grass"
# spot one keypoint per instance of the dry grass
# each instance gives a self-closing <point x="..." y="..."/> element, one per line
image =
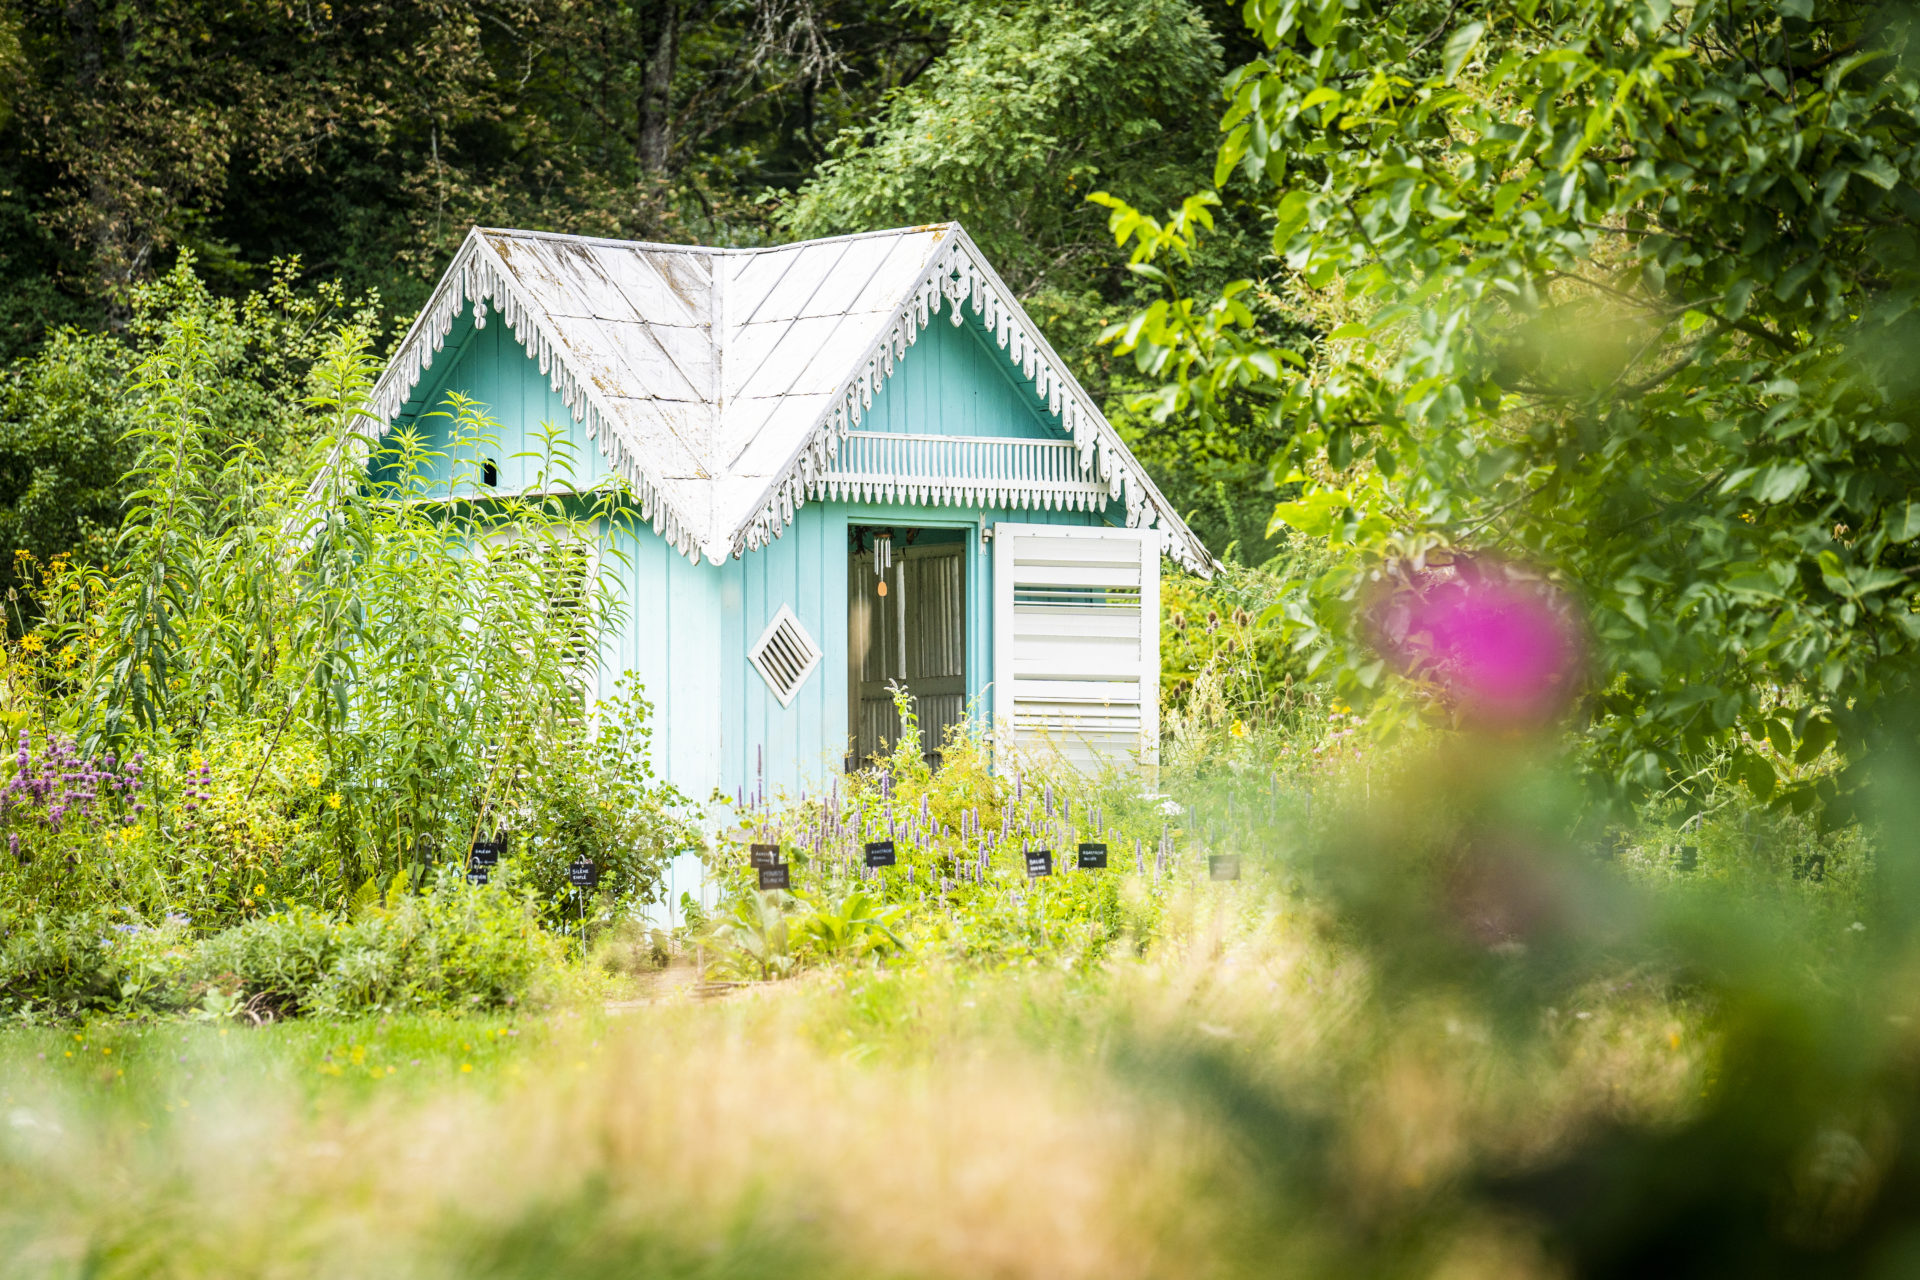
<point x="933" y="1122"/>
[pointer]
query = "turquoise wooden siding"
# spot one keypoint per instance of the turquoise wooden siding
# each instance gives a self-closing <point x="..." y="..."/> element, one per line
<point x="954" y="381"/>
<point x="671" y="642"/>
<point x="798" y="746"/>
<point x="688" y="626"/>
<point x="802" y="746"/>
<point x="491" y="367"/>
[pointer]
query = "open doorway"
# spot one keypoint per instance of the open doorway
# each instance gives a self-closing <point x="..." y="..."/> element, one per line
<point x="906" y="623"/>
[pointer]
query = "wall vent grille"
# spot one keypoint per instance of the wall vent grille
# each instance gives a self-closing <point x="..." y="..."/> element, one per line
<point x="784" y="655"/>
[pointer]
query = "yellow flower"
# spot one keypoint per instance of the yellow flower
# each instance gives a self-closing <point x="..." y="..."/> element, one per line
<point x="259" y="888"/>
<point x="31" y="643"/>
<point x="333" y="801"/>
<point x="1239" y="728"/>
<point x="466" y="1066"/>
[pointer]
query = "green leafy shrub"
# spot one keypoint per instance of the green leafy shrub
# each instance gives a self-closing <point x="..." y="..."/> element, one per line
<point x="55" y="963"/>
<point x="594" y="795"/>
<point x="279" y="959"/>
<point x="455" y="947"/>
<point x="751" y="938"/>
<point x="1612" y="300"/>
<point x="852" y="925"/>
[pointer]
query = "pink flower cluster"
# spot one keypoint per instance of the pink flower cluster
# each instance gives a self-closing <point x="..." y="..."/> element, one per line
<point x="199" y="787"/>
<point x="59" y="786"/>
<point x="1505" y="650"/>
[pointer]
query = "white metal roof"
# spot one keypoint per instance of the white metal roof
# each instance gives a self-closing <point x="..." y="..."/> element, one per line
<point x="720" y="382"/>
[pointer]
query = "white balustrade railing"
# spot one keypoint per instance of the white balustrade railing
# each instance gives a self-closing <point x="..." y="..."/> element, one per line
<point x="987" y="471"/>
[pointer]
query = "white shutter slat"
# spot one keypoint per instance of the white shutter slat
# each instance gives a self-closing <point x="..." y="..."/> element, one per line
<point x="1076" y="641"/>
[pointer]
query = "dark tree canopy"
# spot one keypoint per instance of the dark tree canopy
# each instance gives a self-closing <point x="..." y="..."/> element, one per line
<point x="363" y="138"/>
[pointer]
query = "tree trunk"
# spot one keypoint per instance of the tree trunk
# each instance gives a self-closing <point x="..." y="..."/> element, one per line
<point x="103" y="227"/>
<point x="660" y="30"/>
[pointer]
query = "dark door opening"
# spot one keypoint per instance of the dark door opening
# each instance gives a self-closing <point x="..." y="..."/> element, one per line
<point x="913" y="633"/>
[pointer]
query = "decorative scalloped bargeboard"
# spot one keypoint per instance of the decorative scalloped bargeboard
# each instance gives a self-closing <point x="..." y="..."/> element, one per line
<point x="955" y="273"/>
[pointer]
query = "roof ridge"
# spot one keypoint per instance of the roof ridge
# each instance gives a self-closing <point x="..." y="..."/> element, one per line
<point x="655" y="246"/>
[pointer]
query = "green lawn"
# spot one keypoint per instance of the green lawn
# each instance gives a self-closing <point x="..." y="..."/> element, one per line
<point x="933" y="1120"/>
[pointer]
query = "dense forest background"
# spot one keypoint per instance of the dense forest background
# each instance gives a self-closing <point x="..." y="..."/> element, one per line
<point x="361" y="141"/>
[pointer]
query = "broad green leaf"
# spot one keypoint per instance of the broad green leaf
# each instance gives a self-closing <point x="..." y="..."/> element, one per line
<point x="1780" y="481"/>
<point x="1460" y="46"/>
<point x="1904" y="524"/>
<point x="1814" y="739"/>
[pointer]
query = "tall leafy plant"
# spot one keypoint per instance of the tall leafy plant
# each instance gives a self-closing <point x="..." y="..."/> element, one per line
<point x="360" y="601"/>
<point x="1624" y="289"/>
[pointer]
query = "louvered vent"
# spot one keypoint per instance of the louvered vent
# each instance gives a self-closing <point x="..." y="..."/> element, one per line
<point x="785" y="655"/>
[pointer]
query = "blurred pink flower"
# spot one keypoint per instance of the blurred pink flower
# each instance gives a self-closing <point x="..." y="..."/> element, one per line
<point x="1504" y="650"/>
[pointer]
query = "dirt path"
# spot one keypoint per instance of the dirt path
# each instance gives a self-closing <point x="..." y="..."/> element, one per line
<point x="680" y="980"/>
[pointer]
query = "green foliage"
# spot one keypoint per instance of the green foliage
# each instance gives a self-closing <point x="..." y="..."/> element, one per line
<point x="1030" y="108"/>
<point x="1218" y="665"/>
<point x="56" y="963"/>
<point x="368" y="140"/>
<point x="854" y="925"/>
<point x="751" y="937"/>
<point x="1623" y="286"/>
<point x="455" y="948"/>
<point x="63" y="451"/>
<point x="78" y="418"/>
<point x="959" y="888"/>
<point x="594" y="795"/>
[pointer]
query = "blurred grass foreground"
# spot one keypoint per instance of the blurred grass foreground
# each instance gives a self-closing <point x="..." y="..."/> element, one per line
<point x="1439" y="1027"/>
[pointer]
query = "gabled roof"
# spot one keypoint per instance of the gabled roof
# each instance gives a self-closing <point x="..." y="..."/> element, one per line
<point x="720" y="382"/>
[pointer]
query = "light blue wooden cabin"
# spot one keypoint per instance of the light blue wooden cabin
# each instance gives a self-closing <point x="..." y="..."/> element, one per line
<point x="798" y="426"/>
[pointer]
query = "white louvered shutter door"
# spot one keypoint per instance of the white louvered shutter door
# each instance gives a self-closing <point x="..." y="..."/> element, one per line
<point x="1076" y="641"/>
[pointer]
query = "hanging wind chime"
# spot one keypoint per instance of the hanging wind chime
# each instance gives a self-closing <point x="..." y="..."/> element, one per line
<point x="882" y="559"/>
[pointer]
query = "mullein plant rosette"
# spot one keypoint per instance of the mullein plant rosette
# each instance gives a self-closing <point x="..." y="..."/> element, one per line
<point x="63" y="815"/>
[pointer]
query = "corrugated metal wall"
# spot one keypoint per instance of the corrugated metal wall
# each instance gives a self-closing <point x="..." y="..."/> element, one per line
<point x="688" y="627"/>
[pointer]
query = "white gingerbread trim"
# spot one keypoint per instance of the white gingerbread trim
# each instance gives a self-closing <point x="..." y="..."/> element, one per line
<point x="958" y="272"/>
<point x="478" y="276"/>
<point x="955" y="272"/>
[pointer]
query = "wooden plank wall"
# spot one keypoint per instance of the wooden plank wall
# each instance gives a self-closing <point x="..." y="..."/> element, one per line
<point x="716" y="724"/>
